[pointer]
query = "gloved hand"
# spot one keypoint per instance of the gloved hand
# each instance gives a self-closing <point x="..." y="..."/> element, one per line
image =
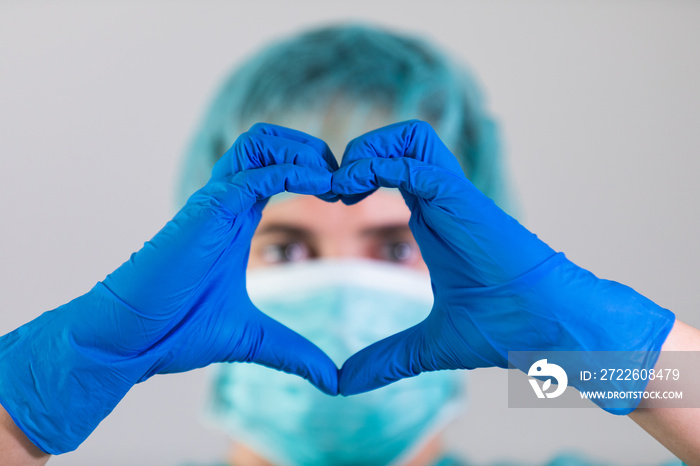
<point x="496" y="286"/>
<point x="177" y="304"/>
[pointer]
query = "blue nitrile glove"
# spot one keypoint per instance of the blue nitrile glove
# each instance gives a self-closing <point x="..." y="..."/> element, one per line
<point x="178" y="304"/>
<point x="497" y="287"/>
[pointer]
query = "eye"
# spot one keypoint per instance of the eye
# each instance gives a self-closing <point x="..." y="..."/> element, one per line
<point x="402" y="252"/>
<point x="278" y="253"/>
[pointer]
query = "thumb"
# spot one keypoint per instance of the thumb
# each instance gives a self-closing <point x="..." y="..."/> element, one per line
<point x="384" y="362"/>
<point x="283" y="349"/>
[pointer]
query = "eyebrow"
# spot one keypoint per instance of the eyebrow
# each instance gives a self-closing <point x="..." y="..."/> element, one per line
<point x="300" y="232"/>
<point x="280" y="228"/>
<point x="386" y="230"/>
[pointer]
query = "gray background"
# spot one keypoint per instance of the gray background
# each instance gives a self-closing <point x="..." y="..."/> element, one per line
<point x="599" y="104"/>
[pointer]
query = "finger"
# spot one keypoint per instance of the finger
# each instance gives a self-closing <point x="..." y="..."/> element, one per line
<point x="413" y="139"/>
<point x="257" y="149"/>
<point x="391" y="359"/>
<point x="293" y="135"/>
<point x="244" y="189"/>
<point x="455" y="211"/>
<point x="280" y="131"/>
<point x="409" y="175"/>
<point x="283" y="349"/>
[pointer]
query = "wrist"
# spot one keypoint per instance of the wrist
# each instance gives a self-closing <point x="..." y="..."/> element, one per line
<point x="589" y="325"/>
<point x="65" y="371"/>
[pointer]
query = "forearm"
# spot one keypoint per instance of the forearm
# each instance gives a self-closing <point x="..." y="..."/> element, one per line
<point x="15" y="448"/>
<point x="678" y="429"/>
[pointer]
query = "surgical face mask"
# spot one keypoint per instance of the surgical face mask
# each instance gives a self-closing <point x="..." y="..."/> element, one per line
<point x="341" y="306"/>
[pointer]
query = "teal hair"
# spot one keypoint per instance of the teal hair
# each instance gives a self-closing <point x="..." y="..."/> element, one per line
<point x="354" y="72"/>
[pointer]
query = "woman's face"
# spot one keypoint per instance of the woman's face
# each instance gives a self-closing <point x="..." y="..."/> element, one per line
<point x="305" y="228"/>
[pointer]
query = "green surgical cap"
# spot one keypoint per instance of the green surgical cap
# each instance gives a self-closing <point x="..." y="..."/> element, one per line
<point x="338" y="82"/>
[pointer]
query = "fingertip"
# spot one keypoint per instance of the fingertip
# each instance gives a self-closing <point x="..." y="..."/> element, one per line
<point x="329" y="384"/>
<point x="353" y="183"/>
<point x="329" y="197"/>
<point x="311" y="363"/>
<point x="352" y="381"/>
<point x="347" y="385"/>
<point x="309" y="180"/>
<point x="354" y="198"/>
<point x="284" y="349"/>
<point x="322" y="374"/>
<point x="315" y="366"/>
<point x="382" y="363"/>
<point x="315" y="143"/>
<point x="325" y="377"/>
